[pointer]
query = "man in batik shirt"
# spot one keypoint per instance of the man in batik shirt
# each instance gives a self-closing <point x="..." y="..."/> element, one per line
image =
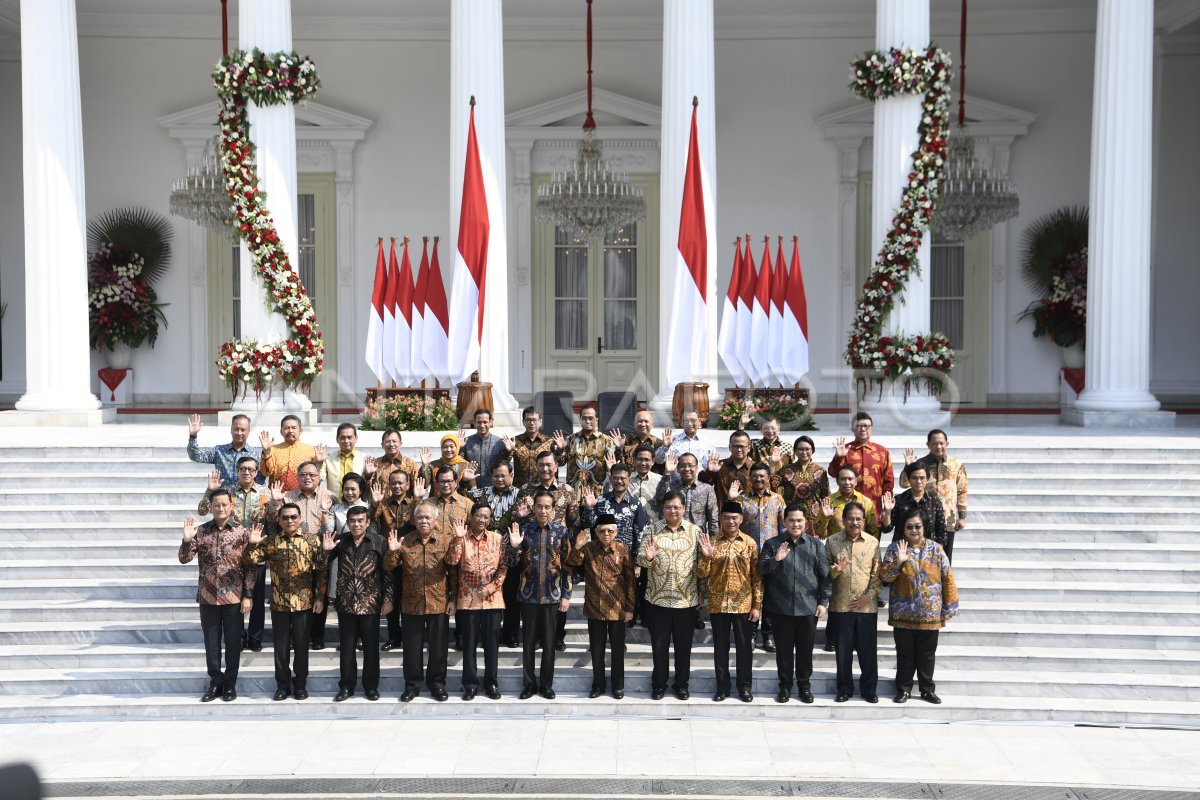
<point x="762" y="519"/>
<point x="872" y="462"/>
<point x="948" y="479"/>
<point x="316" y="516"/>
<point x="770" y="449"/>
<point x="585" y="452"/>
<point x="224" y="456"/>
<point x="642" y="436"/>
<point x="528" y="447"/>
<point x="734" y="599"/>
<point x="484" y="449"/>
<point x="608" y="600"/>
<point x="363" y="592"/>
<point x="482" y="561"/>
<point x="281" y="460"/>
<point x="723" y="473"/>
<point x="377" y="470"/>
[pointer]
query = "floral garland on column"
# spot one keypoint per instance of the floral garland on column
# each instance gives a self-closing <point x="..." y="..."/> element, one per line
<point x="267" y="80"/>
<point x="876" y="76"/>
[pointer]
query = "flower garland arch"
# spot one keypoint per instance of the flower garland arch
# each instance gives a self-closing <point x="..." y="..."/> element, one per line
<point x="267" y="80"/>
<point x="875" y="76"/>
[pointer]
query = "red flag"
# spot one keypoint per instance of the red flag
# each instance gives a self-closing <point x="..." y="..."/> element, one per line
<point x="727" y="341"/>
<point x="687" y="337"/>
<point x="437" y="321"/>
<point x="416" y="351"/>
<point x="402" y="322"/>
<point x="470" y="264"/>
<point x="778" y="291"/>
<point x="374" y="354"/>
<point x="796" y="320"/>
<point x="760" y="326"/>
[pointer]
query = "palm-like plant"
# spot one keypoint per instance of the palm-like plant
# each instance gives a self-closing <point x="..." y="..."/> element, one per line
<point x="1047" y="241"/>
<point x="137" y="230"/>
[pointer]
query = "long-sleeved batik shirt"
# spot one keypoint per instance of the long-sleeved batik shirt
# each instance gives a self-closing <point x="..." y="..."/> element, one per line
<point x="585" y="456"/>
<point x="482" y="562"/>
<point x="734" y="582"/>
<point x="362" y="585"/>
<point x="611" y="588"/>
<point x="540" y="562"/>
<point x="224" y="458"/>
<point x="427" y="580"/>
<point x="299" y="569"/>
<point x="224" y="579"/>
<point x="671" y="574"/>
<point x="629" y="512"/>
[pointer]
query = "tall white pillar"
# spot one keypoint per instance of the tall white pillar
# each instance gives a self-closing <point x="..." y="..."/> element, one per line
<point x="477" y="68"/>
<point x="1117" y="380"/>
<point x="267" y="25"/>
<point x="687" y="72"/>
<point x="57" y="364"/>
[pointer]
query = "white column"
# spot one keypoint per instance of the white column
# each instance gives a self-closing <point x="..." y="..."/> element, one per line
<point x="687" y="72"/>
<point x="477" y="68"/>
<point x="1118" y="321"/>
<point x="267" y="25"/>
<point x="57" y="364"/>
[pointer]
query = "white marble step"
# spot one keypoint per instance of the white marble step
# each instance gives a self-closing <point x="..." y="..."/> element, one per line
<point x="126" y="495"/>
<point x="1083" y="591"/>
<point x="576" y="705"/>
<point x="1099" y="514"/>
<point x="1122" y="496"/>
<point x="159" y="475"/>
<point x="1047" y="569"/>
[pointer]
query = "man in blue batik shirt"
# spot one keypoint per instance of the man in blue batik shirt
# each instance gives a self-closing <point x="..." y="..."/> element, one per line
<point x="225" y="456"/>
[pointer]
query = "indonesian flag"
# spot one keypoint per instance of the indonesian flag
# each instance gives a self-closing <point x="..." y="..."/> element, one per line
<point x="470" y="266"/>
<point x="778" y="291"/>
<point x="795" y="321"/>
<point x="403" y="313"/>
<point x="727" y="342"/>
<point x="760" y="330"/>
<point x="745" y="332"/>
<point x="687" y="341"/>
<point x="436" y="332"/>
<point x="374" y="352"/>
<point x="416" y="353"/>
<point x="389" y="317"/>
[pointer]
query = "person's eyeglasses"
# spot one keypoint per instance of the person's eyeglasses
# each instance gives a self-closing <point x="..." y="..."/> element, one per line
<point x="308" y="474"/>
<point x="247" y="469"/>
<point x="289" y="517"/>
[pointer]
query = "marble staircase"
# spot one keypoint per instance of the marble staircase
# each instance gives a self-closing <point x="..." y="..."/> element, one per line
<point x="1079" y="579"/>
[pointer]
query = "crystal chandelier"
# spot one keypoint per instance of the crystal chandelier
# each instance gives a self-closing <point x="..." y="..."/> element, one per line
<point x="592" y="198"/>
<point x="973" y="198"/>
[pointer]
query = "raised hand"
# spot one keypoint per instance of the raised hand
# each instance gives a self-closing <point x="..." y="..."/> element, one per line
<point x="706" y="545"/>
<point x="459" y="528"/>
<point x="256" y="533"/>
<point x="523" y="507"/>
<point x="369" y="466"/>
<point x="782" y="552"/>
<point x="560" y="441"/>
<point x="322" y="453"/>
<point x="189" y="528"/>
<point x="714" y="461"/>
<point x="735" y="490"/>
<point x="327" y="542"/>
<point x="194" y="424"/>
<point x="826" y="507"/>
<point x="277" y="491"/>
<point x="469" y="471"/>
<point x="887" y="502"/>
<point x="393" y="542"/>
<point x="214" y="480"/>
<point x="462" y="438"/>
<point x="668" y="436"/>
<point x="376" y="494"/>
<point x="901" y="551"/>
<point x="510" y="443"/>
<point x="651" y="549"/>
<point x="589" y="497"/>
<point x="420" y="488"/>
<point x="909" y="456"/>
<point x="610" y="458"/>
<point x="426" y="456"/>
<point x="264" y="439"/>
<point x="672" y="461"/>
<point x="843" y="561"/>
<point x="840" y="447"/>
<point x="582" y="538"/>
<point x="774" y="459"/>
<point x="617" y="437"/>
<point x="515" y="537"/>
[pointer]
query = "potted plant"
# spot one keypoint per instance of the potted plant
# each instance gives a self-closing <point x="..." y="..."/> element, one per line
<point x="1054" y="265"/>
<point x="131" y="248"/>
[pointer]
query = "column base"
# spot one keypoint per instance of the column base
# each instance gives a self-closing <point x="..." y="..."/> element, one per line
<point x="57" y="419"/>
<point x="895" y="411"/>
<point x="1117" y="419"/>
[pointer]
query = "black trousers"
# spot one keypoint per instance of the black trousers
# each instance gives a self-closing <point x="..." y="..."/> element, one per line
<point x="601" y="634"/>
<point x="318" y="624"/>
<point x="217" y="623"/>
<point x="743" y="639"/>
<point x="258" y="608"/>
<point x="290" y="628"/>
<point x="915" y="652"/>
<point x="538" y="621"/>
<point x="393" y="617"/>
<point x="794" y="637"/>
<point x="853" y="632"/>
<point x="510" y="631"/>
<point x="480" y="627"/>
<point x="671" y="627"/>
<point x="948" y="545"/>
<point x="639" y="610"/>
<point x="414" y="629"/>
<point x="351" y="627"/>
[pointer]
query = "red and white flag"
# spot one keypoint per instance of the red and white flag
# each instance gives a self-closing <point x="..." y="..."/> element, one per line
<point x="745" y="334"/>
<point x="402" y="349"/>
<point x="374" y="352"/>
<point x="760" y="330"/>
<point x="436" y="330"/>
<point x="778" y="292"/>
<point x="416" y="354"/>
<point x="389" y="316"/>
<point x="795" y="321"/>
<point x="687" y="340"/>
<point x="727" y="342"/>
<point x="470" y="265"/>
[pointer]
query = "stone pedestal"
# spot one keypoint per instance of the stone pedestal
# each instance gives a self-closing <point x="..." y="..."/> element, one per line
<point x="893" y="410"/>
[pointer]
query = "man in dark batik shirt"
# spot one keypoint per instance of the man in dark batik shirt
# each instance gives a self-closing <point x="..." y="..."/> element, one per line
<point x="364" y="591"/>
<point x="609" y="599"/>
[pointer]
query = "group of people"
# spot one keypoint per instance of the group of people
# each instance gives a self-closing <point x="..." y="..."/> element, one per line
<point x="660" y="531"/>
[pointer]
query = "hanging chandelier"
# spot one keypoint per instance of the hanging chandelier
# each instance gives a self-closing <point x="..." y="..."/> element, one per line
<point x="973" y="198"/>
<point x="591" y="199"/>
<point x="200" y="196"/>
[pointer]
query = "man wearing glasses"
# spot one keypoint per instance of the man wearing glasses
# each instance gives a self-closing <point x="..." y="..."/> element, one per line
<point x="527" y="447"/>
<point x="586" y="453"/>
<point x="872" y="462"/>
<point x="316" y="516"/>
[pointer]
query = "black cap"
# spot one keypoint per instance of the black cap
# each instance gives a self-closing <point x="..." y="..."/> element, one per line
<point x="731" y="507"/>
<point x="604" y="519"/>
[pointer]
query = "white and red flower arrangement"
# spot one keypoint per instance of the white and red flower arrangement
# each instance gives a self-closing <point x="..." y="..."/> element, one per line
<point x="122" y="306"/>
<point x="875" y="76"/>
<point x="265" y="79"/>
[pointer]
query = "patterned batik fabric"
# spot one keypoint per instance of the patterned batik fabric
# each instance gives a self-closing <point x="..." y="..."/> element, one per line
<point x="874" y="465"/>
<point x="541" y="563"/>
<point x="949" y="477"/>
<point x="923" y="592"/>
<point x="361" y="585"/>
<point x="224" y="580"/>
<point x="671" y="574"/>
<point x="806" y="484"/>
<point x="482" y="562"/>
<point x="427" y="580"/>
<point x="299" y="573"/>
<point x="610" y="592"/>
<point x="585" y="456"/>
<point x="734" y="583"/>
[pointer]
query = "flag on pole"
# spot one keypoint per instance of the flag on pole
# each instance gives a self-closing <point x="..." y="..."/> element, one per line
<point x="778" y="292"/>
<point x="374" y="352"/>
<point x="727" y="343"/>
<point x="687" y="342"/>
<point x="416" y="358"/>
<point x="470" y="265"/>
<point x="402" y="349"/>
<point x="745" y="334"/>
<point x="436" y="331"/>
<point x="795" y="315"/>
<point x="760" y="331"/>
<point x="389" y="316"/>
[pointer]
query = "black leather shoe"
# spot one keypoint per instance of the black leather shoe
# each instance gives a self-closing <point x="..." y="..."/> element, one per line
<point x="682" y="694"/>
<point x="255" y="647"/>
<point x="439" y="695"/>
<point x="769" y="645"/>
<point x="658" y="694"/>
<point x="805" y="696"/>
<point x="594" y="693"/>
<point x="317" y="645"/>
<point x="210" y="694"/>
<point x="343" y="694"/>
<point x="618" y="694"/>
<point x="745" y="696"/>
<point x="783" y="696"/>
<point x="930" y="697"/>
<point x="492" y="692"/>
<point x="389" y="646"/>
<point x="301" y="694"/>
<point x="829" y="648"/>
<point x="901" y="697"/>
<point x="511" y="643"/>
<point x="719" y="697"/>
<point x="547" y="693"/>
<point x="457" y="645"/>
<point x="408" y="695"/>
<point x="468" y="694"/>
<point x="527" y="693"/>
<point x="230" y="695"/>
<point x="871" y="698"/>
<point x="560" y="646"/>
<point x="372" y="695"/>
<point x="842" y="698"/>
<point x="281" y="694"/>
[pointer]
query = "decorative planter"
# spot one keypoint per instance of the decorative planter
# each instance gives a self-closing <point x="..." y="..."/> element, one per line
<point x="1072" y="357"/>
<point x="119" y="357"/>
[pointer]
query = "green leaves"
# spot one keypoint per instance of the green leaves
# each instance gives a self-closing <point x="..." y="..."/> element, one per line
<point x="137" y="230"/>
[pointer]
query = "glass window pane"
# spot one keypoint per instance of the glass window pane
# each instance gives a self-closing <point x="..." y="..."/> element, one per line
<point x="947" y="316"/>
<point x="622" y="237"/>
<point x="306" y="223"/>
<point x="620" y="272"/>
<point x="570" y="272"/>
<point x="620" y="324"/>
<point x="236" y="249"/>
<point x="570" y="324"/>
<point x="946" y="275"/>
